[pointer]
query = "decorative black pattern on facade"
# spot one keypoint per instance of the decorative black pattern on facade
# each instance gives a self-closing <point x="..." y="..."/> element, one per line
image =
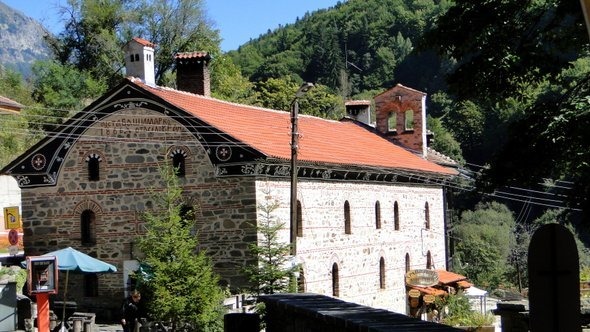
<point x="264" y="168"/>
<point x="41" y="165"/>
<point x="93" y="156"/>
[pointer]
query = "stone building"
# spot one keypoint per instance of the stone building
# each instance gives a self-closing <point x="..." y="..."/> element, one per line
<point x="369" y="209"/>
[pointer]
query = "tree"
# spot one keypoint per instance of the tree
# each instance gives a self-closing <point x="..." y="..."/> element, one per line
<point x="227" y="82"/>
<point x="525" y="50"/>
<point x="443" y="141"/>
<point x="90" y="40"/>
<point x="183" y="287"/>
<point x="501" y="44"/>
<point x="484" y="240"/>
<point x="96" y="30"/>
<point x="272" y="270"/>
<point x="174" y="26"/>
<point x="14" y="133"/>
<point x="278" y="94"/>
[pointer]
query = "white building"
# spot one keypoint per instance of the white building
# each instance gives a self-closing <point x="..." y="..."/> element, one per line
<point x="370" y="209"/>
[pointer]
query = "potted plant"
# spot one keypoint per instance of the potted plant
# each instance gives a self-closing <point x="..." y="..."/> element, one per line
<point x="459" y="314"/>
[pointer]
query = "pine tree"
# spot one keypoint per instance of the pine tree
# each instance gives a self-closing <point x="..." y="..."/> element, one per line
<point x="274" y="270"/>
<point x="181" y="285"/>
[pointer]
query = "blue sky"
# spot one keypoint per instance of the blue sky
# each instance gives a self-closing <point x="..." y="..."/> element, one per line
<point x="237" y="20"/>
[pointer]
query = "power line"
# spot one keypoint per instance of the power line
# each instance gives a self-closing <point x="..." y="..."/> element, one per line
<point x="176" y="138"/>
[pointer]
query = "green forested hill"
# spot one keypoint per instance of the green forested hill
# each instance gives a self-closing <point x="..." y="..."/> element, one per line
<point x="356" y="46"/>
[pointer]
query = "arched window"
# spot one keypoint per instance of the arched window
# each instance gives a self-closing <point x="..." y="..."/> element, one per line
<point x="407" y="262"/>
<point x="88" y="227"/>
<point x="136" y="56"/>
<point x="426" y="216"/>
<point x="347" y="228"/>
<point x="93" y="161"/>
<point x="335" y="281"/>
<point x="392" y="122"/>
<point x="382" y="273"/>
<point x="396" y="216"/>
<point x="90" y="285"/>
<point x="301" y="281"/>
<point x="429" y="260"/>
<point x="377" y="215"/>
<point x="299" y="220"/>
<point x="409" y="120"/>
<point x="187" y="215"/>
<point x="179" y="162"/>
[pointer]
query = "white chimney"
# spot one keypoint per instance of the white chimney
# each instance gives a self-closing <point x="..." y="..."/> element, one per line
<point x="359" y="110"/>
<point x="139" y="60"/>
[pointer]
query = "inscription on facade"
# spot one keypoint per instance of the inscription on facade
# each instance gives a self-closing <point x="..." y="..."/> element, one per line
<point x="138" y="125"/>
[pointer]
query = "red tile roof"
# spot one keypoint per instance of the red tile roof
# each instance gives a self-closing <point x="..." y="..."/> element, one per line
<point x="144" y="42"/>
<point x="446" y="277"/>
<point x="430" y="290"/>
<point x="192" y="55"/>
<point x="320" y="140"/>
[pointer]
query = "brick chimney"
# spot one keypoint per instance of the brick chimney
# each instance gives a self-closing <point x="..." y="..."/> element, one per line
<point x="192" y="72"/>
<point x="401" y="115"/>
<point x="139" y="60"/>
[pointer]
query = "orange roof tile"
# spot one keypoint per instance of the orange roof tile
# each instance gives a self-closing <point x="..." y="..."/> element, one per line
<point x="144" y="42"/>
<point x="192" y="55"/>
<point x="464" y="283"/>
<point x="320" y="140"/>
<point x="446" y="277"/>
<point x="430" y="290"/>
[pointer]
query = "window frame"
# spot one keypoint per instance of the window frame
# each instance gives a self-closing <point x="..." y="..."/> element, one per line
<point x="88" y="228"/>
<point x="347" y="221"/>
<point x="382" y="273"/>
<point x="377" y="215"/>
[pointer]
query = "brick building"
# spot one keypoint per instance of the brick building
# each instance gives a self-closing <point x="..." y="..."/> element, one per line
<point x="369" y="209"/>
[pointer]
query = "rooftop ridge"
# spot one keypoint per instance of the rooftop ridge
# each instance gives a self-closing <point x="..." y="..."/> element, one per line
<point x="165" y="88"/>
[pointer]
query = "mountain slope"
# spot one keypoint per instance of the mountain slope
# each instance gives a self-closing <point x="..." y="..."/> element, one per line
<point x="357" y="45"/>
<point x="21" y="40"/>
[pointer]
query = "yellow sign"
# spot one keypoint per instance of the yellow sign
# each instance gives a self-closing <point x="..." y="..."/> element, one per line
<point x="428" y="298"/>
<point x="414" y="293"/>
<point x="11" y="217"/>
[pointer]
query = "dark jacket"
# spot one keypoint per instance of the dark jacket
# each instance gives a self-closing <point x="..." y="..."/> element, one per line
<point x="131" y="310"/>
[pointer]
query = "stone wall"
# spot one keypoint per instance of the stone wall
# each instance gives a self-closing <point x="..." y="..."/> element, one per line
<point x="129" y="173"/>
<point x="133" y="143"/>
<point x="357" y="255"/>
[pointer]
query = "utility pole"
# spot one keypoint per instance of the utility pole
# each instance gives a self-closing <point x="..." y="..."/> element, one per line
<point x="294" y="142"/>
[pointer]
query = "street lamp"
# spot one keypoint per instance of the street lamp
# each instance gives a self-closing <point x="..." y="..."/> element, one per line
<point x="294" y="141"/>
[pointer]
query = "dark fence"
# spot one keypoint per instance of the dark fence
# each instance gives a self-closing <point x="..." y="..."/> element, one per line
<point x="312" y="312"/>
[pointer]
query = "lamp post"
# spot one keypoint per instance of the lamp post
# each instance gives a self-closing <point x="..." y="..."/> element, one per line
<point x="294" y="141"/>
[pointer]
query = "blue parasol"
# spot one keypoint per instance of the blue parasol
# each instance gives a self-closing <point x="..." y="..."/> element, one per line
<point x="70" y="259"/>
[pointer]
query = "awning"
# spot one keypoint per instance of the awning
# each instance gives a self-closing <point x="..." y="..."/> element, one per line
<point x="430" y="290"/>
<point x="446" y="277"/>
<point x="475" y="292"/>
<point x="464" y="284"/>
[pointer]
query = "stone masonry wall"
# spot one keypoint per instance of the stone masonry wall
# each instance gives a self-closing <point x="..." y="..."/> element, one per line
<point x="226" y="208"/>
<point x="357" y="255"/>
<point x="130" y="158"/>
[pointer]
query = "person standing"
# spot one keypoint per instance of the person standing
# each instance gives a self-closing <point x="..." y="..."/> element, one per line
<point x="131" y="311"/>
